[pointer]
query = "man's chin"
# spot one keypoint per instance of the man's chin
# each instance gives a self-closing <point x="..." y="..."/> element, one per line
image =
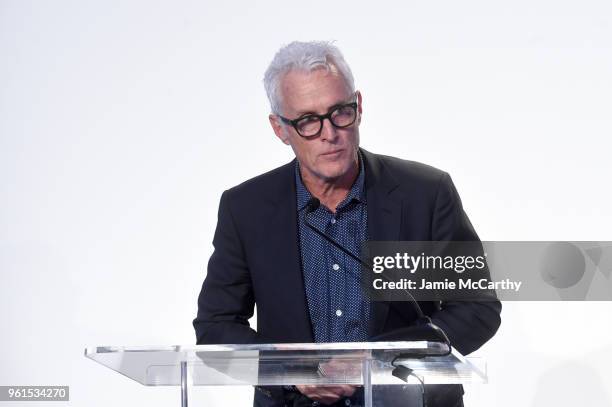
<point x="334" y="174"/>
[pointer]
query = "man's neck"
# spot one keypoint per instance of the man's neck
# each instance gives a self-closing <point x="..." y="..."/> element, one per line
<point x="330" y="192"/>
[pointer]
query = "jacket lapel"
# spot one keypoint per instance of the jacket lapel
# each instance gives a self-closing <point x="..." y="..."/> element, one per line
<point x="384" y="219"/>
<point x="288" y="257"/>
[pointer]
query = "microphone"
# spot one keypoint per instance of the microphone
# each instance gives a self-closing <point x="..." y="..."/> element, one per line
<point x="424" y="328"/>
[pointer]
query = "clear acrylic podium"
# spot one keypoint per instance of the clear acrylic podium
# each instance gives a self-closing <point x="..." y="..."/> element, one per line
<point x="367" y="364"/>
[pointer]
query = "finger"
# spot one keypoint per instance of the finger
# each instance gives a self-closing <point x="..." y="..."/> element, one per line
<point x="310" y="389"/>
<point x="323" y="394"/>
<point x="338" y="390"/>
<point x="348" y="390"/>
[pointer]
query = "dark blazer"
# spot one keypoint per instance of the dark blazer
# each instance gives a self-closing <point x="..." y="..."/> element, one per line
<point x="257" y="260"/>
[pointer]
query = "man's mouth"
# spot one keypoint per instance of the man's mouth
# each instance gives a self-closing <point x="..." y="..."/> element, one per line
<point x="332" y="153"/>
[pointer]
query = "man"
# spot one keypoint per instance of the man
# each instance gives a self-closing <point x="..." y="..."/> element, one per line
<point x="305" y="288"/>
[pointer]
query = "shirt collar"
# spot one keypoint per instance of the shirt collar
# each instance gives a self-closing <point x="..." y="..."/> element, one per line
<point x="356" y="193"/>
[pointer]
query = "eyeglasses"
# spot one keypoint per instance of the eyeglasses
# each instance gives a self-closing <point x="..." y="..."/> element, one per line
<point x="310" y="125"/>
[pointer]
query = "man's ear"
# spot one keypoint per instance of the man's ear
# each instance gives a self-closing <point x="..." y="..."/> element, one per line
<point x="278" y="128"/>
<point x="359" y="107"/>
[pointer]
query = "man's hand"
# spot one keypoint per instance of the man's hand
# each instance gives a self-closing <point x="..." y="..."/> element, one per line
<point x="330" y="394"/>
<point x="326" y="394"/>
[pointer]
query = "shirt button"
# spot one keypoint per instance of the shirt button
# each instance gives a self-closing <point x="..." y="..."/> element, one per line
<point x="336" y="267"/>
<point x="333" y="220"/>
<point x="347" y="402"/>
<point x="338" y="313"/>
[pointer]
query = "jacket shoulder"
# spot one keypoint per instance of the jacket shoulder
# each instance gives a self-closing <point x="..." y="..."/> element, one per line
<point x="407" y="171"/>
<point x="264" y="185"/>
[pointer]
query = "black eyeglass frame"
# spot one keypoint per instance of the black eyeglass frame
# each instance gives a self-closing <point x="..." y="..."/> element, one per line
<point x="328" y="115"/>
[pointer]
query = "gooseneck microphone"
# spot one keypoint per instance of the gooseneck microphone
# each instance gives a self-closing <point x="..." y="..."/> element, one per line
<point x="312" y="205"/>
<point x="424" y="328"/>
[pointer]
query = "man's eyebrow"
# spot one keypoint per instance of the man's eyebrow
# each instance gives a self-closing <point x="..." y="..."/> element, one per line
<point x="303" y="113"/>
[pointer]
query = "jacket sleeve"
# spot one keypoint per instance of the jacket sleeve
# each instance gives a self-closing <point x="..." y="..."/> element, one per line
<point x="226" y="300"/>
<point x="468" y="324"/>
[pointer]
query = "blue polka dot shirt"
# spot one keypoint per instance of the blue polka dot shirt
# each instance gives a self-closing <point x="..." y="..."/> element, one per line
<point x="339" y="310"/>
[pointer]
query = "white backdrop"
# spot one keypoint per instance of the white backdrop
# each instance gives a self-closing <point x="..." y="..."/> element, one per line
<point x="122" y="122"/>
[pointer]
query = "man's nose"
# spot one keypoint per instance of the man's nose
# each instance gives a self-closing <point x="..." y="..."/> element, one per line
<point x="328" y="131"/>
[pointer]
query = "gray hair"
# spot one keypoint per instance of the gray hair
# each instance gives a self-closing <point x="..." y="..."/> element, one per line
<point x="304" y="56"/>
